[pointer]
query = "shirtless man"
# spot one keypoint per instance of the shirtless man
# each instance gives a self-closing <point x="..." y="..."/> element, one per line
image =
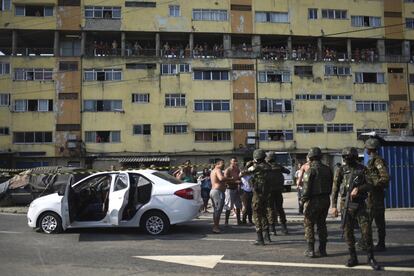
<point x="218" y="188"/>
<point x="232" y="194"/>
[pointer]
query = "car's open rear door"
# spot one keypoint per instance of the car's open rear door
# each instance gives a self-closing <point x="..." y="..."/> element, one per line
<point x="118" y="198"/>
<point x="67" y="210"/>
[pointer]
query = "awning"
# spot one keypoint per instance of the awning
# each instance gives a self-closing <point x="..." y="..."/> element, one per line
<point x="143" y="159"/>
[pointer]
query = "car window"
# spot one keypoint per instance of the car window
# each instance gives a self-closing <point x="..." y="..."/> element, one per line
<point x="99" y="182"/>
<point x="121" y="182"/>
<point x="168" y="177"/>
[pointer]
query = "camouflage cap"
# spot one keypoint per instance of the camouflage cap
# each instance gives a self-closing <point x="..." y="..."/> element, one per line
<point x="372" y="143"/>
<point x="314" y="152"/>
<point x="259" y="154"/>
<point x="350" y="152"/>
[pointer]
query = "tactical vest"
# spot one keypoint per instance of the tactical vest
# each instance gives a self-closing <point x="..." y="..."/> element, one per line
<point x="322" y="179"/>
<point x="349" y="174"/>
<point x="276" y="177"/>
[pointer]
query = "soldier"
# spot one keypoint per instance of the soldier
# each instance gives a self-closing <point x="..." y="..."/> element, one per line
<point x="276" y="196"/>
<point x="377" y="174"/>
<point x="344" y="177"/>
<point x="317" y="186"/>
<point x="259" y="170"/>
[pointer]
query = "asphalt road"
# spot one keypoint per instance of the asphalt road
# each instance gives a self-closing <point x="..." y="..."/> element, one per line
<point x="24" y="251"/>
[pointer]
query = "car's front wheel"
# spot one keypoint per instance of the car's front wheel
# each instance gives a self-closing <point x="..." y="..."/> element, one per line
<point x="50" y="223"/>
<point x="155" y="223"/>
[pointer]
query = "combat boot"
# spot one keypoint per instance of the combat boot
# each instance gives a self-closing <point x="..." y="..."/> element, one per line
<point x="380" y="247"/>
<point x="322" y="250"/>
<point x="371" y="261"/>
<point x="226" y="220"/>
<point x="310" y="252"/>
<point x="273" y="229"/>
<point x="353" y="260"/>
<point x="266" y="237"/>
<point x="259" y="240"/>
<point x="284" y="229"/>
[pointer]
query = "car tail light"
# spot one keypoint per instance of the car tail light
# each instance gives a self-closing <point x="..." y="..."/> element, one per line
<point x="185" y="193"/>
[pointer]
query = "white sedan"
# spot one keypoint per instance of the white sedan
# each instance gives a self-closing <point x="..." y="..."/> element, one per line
<point x="138" y="198"/>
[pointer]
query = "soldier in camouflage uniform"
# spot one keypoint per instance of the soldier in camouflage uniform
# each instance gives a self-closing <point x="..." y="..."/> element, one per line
<point x="259" y="170"/>
<point x="377" y="174"/>
<point x="276" y="197"/>
<point x="344" y="177"/>
<point x="317" y="186"/>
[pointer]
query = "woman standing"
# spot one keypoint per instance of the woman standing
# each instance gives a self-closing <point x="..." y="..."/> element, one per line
<point x="205" y="183"/>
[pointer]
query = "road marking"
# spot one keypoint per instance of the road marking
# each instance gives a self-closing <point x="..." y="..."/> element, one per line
<point x="210" y="261"/>
<point x="9" y="232"/>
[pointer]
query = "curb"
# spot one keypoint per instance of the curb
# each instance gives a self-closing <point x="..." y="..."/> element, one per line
<point x="14" y="210"/>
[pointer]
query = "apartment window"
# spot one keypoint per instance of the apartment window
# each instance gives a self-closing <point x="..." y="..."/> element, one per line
<point x="173" y="69"/>
<point x="4" y="99"/>
<point x="38" y="11"/>
<point x="303" y="71"/>
<point x="212" y="136"/>
<point x="175" y="100"/>
<point x="209" y="15"/>
<point x="144" y="129"/>
<point x="378" y="131"/>
<point x="331" y="70"/>
<point x="68" y="66"/>
<point x="102" y="136"/>
<point x="334" y="14"/>
<point x="211" y="75"/>
<point x="5" y="5"/>
<point x="4" y="68"/>
<point x="212" y="105"/>
<point x="312" y="13"/>
<point x="102" y="105"/>
<point x="272" y="17"/>
<point x="174" y="10"/>
<point x="274" y="76"/>
<point x="103" y="74"/>
<point x="276" y="135"/>
<point x="175" y="129"/>
<point x="371" y="106"/>
<point x="30" y="74"/>
<point x="309" y="128"/>
<point x="338" y="97"/>
<point x="144" y="66"/>
<point x="102" y="12"/>
<point x="141" y="98"/>
<point x="409" y="23"/>
<point x="365" y="21"/>
<point x="309" y="97"/>
<point x="4" y="131"/>
<point x="32" y="137"/>
<point x="275" y="106"/>
<point x="33" y="105"/>
<point x="140" y="4"/>
<point x="340" y="128"/>
<point x="362" y="77"/>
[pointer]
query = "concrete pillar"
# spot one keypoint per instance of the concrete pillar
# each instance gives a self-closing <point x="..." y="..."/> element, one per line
<point x="406" y="50"/>
<point x="56" y="50"/>
<point x="381" y="49"/>
<point x="157" y="45"/>
<point x="289" y="46"/>
<point x="319" y="48"/>
<point x="256" y="45"/>
<point x="191" y="43"/>
<point x="14" y="42"/>
<point x="227" y="44"/>
<point x="122" y="44"/>
<point x="349" y="48"/>
<point x="83" y="43"/>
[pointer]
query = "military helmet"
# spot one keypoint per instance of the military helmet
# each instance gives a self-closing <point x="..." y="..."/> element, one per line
<point x="314" y="152"/>
<point x="350" y="152"/>
<point x="259" y="154"/>
<point x="372" y="143"/>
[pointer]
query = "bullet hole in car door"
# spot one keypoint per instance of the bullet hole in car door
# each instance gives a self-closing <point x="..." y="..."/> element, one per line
<point x="139" y="195"/>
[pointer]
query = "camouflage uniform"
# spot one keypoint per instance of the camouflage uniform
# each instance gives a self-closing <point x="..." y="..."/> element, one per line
<point x="377" y="174"/>
<point x="317" y="186"/>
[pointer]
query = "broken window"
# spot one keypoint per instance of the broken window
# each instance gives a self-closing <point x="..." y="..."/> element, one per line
<point x="144" y="129"/>
<point x="303" y="71"/>
<point x="275" y="106"/>
<point x="363" y="77"/>
<point x="276" y="135"/>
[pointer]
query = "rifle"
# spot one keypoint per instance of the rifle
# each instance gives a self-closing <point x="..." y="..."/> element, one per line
<point x="349" y="205"/>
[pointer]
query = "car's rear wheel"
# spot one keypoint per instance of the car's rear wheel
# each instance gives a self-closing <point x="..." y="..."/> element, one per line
<point x="50" y="223"/>
<point x="155" y="223"/>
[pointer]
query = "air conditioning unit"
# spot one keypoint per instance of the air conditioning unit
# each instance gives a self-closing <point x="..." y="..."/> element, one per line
<point x="251" y="141"/>
<point x="72" y="137"/>
<point x="71" y="145"/>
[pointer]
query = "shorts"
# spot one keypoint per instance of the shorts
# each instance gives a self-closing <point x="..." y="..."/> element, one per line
<point x="217" y="198"/>
<point x="232" y="199"/>
<point x="205" y="193"/>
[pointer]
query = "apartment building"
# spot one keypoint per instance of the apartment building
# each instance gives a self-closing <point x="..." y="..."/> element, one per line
<point x="93" y="82"/>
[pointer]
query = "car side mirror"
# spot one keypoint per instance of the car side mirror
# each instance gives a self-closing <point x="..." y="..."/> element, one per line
<point x="61" y="191"/>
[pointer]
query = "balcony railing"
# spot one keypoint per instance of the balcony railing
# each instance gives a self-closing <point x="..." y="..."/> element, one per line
<point x="30" y="52"/>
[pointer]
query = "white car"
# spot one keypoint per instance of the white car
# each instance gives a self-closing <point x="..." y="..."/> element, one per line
<point x="138" y="198"/>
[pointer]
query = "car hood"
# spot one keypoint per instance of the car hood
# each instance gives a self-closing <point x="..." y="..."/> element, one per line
<point x="52" y="198"/>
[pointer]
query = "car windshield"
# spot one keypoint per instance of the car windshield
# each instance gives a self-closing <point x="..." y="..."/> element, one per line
<point x="168" y="177"/>
<point x="283" y="159"/>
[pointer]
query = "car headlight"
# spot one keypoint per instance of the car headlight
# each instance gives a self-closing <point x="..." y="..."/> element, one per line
<point x="32" y="204"/>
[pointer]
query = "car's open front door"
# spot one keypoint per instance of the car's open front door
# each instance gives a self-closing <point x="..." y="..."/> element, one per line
<point x="118" y="198"/>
